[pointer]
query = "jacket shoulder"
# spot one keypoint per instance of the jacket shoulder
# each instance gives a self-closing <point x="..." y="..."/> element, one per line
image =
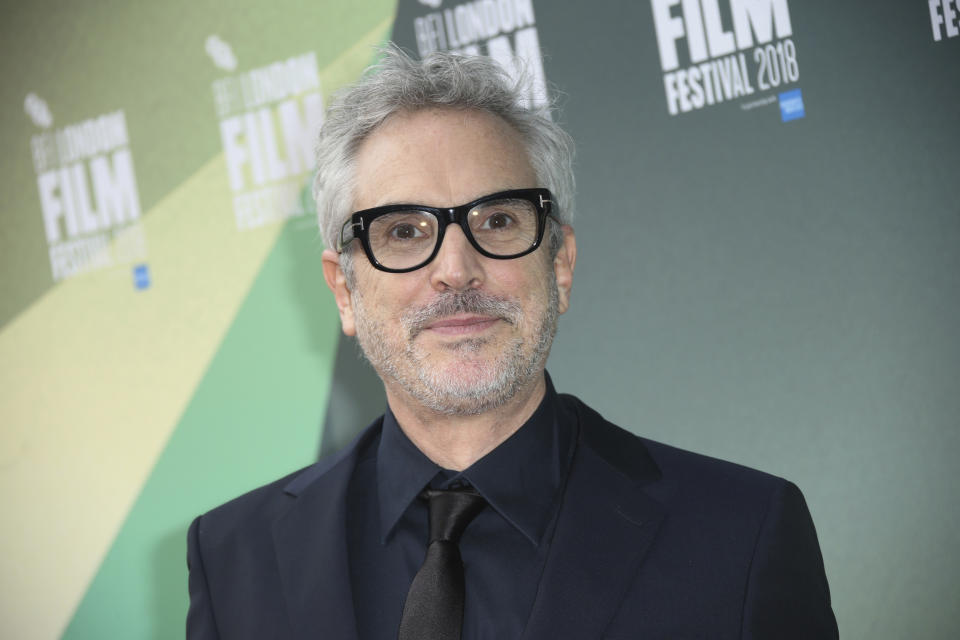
<point x="736" y="549"/>
<point x="666" y="467"/>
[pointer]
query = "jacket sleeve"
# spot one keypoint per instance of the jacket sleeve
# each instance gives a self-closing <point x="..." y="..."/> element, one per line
<point x="787" y="594"/>
<point x="200" y="621"/>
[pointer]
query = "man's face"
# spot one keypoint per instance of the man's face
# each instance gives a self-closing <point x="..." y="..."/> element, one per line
<point x="464" y="333"/>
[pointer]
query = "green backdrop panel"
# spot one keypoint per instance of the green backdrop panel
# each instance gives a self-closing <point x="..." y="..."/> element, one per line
<point x="256" y="415"/>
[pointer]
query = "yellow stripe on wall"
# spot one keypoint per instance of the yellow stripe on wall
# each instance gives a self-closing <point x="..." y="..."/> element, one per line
<point x="95" y="376"/>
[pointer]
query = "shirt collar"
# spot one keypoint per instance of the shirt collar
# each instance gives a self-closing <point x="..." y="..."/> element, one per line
<point x="402" y="472"/>
<point x="520" y="479"/>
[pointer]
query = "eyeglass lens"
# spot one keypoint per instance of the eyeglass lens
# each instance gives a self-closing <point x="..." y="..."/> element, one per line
<point x="403" y="239"/>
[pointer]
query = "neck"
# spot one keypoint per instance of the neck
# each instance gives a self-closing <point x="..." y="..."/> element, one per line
<point x="457" y="441"/>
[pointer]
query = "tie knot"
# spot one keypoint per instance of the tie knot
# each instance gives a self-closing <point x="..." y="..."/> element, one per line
<point x="451" y="511"/>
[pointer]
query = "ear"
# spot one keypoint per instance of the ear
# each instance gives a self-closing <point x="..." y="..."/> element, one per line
<point x="337" y="281"/>
<point x="563" y="265"/>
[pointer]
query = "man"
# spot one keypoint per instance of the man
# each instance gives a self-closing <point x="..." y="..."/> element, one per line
<point x="447" y="205"/>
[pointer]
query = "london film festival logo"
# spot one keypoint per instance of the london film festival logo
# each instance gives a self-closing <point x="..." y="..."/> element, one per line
<point x="269" y="120"/>
<point x="713" y="51"/>
<point x="944" y="18"/>
<point x="505" y="30"/>
<point x="88" y="191"/>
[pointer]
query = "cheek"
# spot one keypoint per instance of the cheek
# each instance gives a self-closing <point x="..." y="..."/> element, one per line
<point x="528" y="285"/>
<point x="387" y="295"/>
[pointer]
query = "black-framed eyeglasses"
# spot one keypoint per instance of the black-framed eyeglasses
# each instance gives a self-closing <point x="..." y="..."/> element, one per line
<point x="403" y="237"/>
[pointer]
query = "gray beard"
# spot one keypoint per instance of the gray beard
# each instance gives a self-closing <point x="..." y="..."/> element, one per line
<point x="514" y="367"/>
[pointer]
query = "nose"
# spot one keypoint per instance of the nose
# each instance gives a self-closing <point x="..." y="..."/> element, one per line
<point x="457" y="266"/>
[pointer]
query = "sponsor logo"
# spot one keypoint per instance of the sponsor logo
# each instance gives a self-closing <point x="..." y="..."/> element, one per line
<point x="88" y="192"/>
<point x="269" y="119"/>
<point x="505" y="30"/>
<point x="714" y="51"/>
<point x="141" y="276"/>
<point x="759" y="102"/>
<point x="943" y="18"/>
<point x="791" y="105"/>
<point x="36" y="108"/>
<point x="220" y="53"/>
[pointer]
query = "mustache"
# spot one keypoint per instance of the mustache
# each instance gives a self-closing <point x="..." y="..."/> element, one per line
<point x="454" y="302"/>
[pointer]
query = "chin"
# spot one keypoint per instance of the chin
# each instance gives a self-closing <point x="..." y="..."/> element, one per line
<point x="468" y="386"/>
<point x="454" y="402"/>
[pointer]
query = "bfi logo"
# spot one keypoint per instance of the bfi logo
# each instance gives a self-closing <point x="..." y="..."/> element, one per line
<point x="701" y="25"/>
<point x="943" y="18"/>
<point x="269" y="119"/>
<point x="712" y="52"/>
<point x="88" y="195"/>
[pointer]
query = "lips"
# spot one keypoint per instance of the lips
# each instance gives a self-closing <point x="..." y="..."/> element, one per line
<point x="460" y="313"/>
<point x="461" y="324"/>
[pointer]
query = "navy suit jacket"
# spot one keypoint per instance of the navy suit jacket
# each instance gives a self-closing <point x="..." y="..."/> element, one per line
<point x="651" y="542"/>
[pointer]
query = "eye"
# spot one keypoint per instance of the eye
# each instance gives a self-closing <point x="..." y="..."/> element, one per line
<point x="409" y="230"/>
<point x="402" y="230"/>
<point x="496" y="221"/>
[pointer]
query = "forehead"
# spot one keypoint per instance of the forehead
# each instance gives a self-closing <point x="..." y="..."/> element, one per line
<point x="439" y="157"/>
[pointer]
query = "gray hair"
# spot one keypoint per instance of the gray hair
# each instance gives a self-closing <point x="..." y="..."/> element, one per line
<point x="399" y="83"/>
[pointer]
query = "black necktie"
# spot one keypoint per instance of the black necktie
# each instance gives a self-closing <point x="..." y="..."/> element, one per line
<point x="434" y="606"/>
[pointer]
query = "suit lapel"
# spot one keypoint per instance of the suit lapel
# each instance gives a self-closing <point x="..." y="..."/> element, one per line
<point x="605" y="526"/>
<point x="311" y="550"/>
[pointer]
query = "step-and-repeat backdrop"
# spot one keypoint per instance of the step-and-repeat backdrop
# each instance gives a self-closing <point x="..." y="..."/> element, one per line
<point x="768" y="219"/>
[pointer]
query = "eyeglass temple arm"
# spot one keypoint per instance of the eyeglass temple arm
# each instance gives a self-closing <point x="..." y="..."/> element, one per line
<point x="353" y="225"/>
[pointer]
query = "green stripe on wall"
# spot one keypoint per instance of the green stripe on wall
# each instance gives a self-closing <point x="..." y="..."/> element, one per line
<point x="257" y="414"/>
